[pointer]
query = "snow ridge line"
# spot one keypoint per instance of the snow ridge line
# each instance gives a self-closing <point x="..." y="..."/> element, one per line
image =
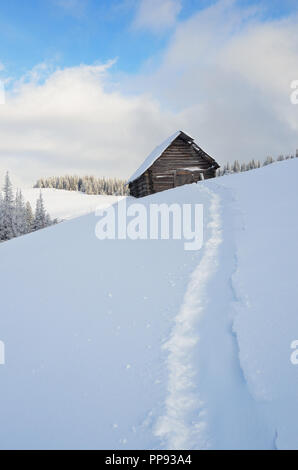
<point x="184" y="425"/>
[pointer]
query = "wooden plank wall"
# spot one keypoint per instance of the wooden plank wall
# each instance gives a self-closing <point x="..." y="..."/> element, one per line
<point x="165" y="174"/>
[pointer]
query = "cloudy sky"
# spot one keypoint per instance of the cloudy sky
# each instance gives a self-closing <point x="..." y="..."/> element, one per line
<point x="91" y="86"/>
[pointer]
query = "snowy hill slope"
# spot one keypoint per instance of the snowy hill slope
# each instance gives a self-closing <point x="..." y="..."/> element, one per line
<point x="265" y="286"/>
<point x="67" y="204"/>
<point x="141" y="344"/>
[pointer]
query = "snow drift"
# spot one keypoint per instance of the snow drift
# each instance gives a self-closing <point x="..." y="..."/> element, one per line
<point x="64" y="205"/>
<point x="140" y="344"/>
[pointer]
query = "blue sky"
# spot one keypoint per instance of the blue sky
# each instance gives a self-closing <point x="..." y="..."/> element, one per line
<point x="32" y="31"/>
<point x="219" y="70"/>
<point x="70" y="32"/>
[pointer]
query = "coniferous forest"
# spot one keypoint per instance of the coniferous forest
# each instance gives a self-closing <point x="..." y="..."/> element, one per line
<point x="118" y="187"/>
<point x="237" y="167"/>
<point x="85" y="184"/>
<point x="18" y="218"/>
<point x="16" y="215"/>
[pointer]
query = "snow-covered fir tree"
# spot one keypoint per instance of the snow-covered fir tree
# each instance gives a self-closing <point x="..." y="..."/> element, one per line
<point x="16" y="216"/>
<point x="20" y="225"/>
<point x="85" y="184"/>
<point x="29" y="217"/>
<point x="1" y="215"/>
<point x="268" y="161"/>
<point x="8" y="229"/>
<point x="236" y="167"/>
<point x="251" y="165"/>
<point x="41" y="217"/>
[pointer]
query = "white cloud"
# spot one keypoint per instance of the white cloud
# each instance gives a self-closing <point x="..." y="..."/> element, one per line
<point x="228" y="73"/>
<point x="70" y="123"/>
<point x="157" y="15"/>
<point x="225" y="78"/>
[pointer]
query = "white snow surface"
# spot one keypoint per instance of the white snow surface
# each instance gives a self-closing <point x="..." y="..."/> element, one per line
<point x="64" y="205"/>
<point x="122" y="344"/>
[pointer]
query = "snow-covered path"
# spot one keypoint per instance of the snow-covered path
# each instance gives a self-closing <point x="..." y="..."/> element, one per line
<point x="122" y="344"/>
<point x="229" y="416"/>
<point x="264" y="292"/>
<point x="85" y="368"/>
<point x="182" y="426"/>
<point x="207" y="393"/>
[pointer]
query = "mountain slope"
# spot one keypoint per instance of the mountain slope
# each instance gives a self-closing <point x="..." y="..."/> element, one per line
<point x="63" y="204"/>
<point x="141" y="344"/>
<point x="265" y="284"/>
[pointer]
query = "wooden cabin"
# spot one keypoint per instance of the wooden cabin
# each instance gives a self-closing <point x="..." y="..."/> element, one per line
<point x="177" y="161"/>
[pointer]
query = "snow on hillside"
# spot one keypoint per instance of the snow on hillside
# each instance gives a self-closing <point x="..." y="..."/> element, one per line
<point x="265" y="286"/>
<point x="142" y="345"/>
<point x="68" y="204"/>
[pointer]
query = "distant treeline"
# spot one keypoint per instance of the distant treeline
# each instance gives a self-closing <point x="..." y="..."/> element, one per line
<point x="16" y="215"/>
<point x="237" y="167"/>
<point x="85" y="184"/>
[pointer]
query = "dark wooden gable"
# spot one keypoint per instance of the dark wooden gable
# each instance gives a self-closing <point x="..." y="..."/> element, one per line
<point x="182" y="162"/>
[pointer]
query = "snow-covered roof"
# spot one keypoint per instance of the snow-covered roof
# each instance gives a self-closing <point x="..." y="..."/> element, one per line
<point x="155" y="155"/>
